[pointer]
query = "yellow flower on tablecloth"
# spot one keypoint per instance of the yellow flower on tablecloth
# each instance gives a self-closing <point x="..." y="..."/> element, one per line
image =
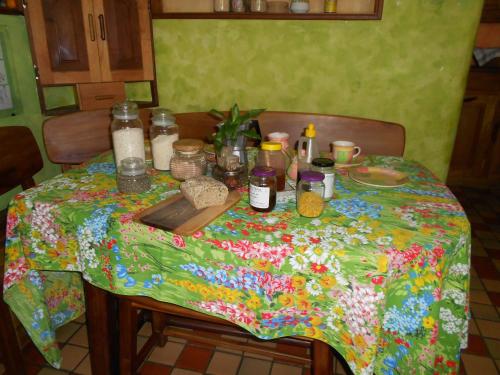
<point x="313" y="332"/>
<point x="338" y="310"/>
<point x="428" y="322"/>
<point x="359" y="341"/>
<point x="254" y="303"/>
<point x="303" y="304"/>
<point x="298" y="281"/>
<point x="419" y="281"/>
<point x="316" y="320"/>
<point x="328" y="281"/>
<point x="339" y="253"/>
<point x="382" y="263"/>
<point x="286" y="300"/>
<point x="430" y="277"/>
<point x="263" y="265"/>
<point x="350" y="356"/>
<point x="204" y="291"/>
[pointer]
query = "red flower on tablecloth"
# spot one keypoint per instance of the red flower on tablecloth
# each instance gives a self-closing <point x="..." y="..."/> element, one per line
<point x="198" y="234"/>
<point x="15" y="272"/>
<point x="318" y="268"/>
<point x="178" y="241"/>
<point x="12" y="221"/>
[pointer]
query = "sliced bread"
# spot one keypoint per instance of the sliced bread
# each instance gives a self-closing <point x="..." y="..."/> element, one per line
<point x="204" y="192"/>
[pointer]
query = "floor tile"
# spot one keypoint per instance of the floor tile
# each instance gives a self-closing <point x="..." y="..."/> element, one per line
<point x="478" y="365"/>
<point x="71" y="356"/>
<point x="491" y="244"/>
<point x="179" y="371"/>
<point x="224" y="364"/>
<point x="493" y="347"/>
<point x="489" y="328"/>
<point x="145" y="330"/>
<point x="52" y="371"/>
<point x="66" y="331"/>
<point x="476" y="345"/>
<point x="482" y="311"/>
<point x="479" y="296"/>
<point x="150" y="368"/>
<point x="476" y="284"/>
<point x="80" y="319"/>
<point x="253" y="366"/>
<point x="168" y="354"/>
<point x="258" y="356"/>
<point x="484" y="267"/>
<point x="282" y="369"/>
<point x="84" y="367"/>
<point x="194" y="358"/>
<point x="80" y="337"/>
<point x="495" y="298"/>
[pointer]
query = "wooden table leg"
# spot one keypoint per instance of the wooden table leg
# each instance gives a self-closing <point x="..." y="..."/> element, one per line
<point x="9" y="346"/>
<point x="322" y="358"/>
<point x="102" y="330"/>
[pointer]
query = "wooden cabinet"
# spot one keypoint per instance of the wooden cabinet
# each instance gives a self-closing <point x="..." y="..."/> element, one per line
<point x="476" y="154"/>
<point x="82" y="41"/>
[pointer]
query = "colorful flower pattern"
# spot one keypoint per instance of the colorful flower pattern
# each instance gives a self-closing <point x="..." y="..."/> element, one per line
<point x="382" y="275"/>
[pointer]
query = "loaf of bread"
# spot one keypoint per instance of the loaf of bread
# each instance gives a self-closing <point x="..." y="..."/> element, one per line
<point x="204" y="192"/>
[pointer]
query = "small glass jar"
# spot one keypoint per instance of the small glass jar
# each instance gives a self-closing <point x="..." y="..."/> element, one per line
<point x="132" y="177"/>
<point x="258" y="5"/>
<point x="330" y="6"/>
<point x="163" y="133"/>
<point x="310" y="192"/>
<point x="271" y="155"/>
<point x="263" y="189"/>
<point x="127" y="132"/>
<point x="188" y="160"/>
<point x="325" y="166"/>
<point x="238" y="5"/>
<point x="221" y="5"/>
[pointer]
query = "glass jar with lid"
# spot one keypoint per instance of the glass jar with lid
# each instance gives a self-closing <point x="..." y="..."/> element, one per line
<point x="325" y="166"/>
<point x="262" y="189"/>
<point x="163" y="133"/>
<point x="188" y="160"/>
<point x="310" y="192"/>
<point x="271" y="155"/>
<point x="127" y="132"/>
<point x="132" y="177"/>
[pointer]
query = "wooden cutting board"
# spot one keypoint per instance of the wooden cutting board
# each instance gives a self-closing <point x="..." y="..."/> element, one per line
<point x="177" y="215"/>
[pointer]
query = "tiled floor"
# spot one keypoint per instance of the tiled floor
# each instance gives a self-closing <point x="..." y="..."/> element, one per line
<point x="179" y="357"/>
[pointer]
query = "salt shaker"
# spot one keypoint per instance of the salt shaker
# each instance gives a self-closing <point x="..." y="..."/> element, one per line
<point x="127" y="132"/>
<point x="163" y="133"/>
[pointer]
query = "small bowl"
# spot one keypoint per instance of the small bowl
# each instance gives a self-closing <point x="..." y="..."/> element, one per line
<point x="299" y="7"/>
<point x="277" y="7"/>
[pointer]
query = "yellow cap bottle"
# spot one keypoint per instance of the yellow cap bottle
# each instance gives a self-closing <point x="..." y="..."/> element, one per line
<point x="310" y="131"/>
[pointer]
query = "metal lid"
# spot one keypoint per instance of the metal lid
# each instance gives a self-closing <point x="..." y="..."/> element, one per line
<point x="323" y="162"/>
<point x="270" y="146"/>
<point x="132" y="167"/>
<point x="125" y="111"/>
<point x="263" y="172"/>
<point x="163" y="117"/>
<point x="188" y="145"/>
<point x="312" y="176"/>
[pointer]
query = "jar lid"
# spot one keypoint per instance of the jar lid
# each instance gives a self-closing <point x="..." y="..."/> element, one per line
<point x="263" y="172"/>
<point x="323" y="162"/>
<point x="188" y="145"/>
<point x="312" y="176"/>
<point x="163" y="117"/>
<point x="132" y="167"/>
<point x="125" y="111"/>
<point x="271" y="146"/>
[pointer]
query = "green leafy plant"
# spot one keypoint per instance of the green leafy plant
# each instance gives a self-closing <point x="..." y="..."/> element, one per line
<point x="232" y="126"/>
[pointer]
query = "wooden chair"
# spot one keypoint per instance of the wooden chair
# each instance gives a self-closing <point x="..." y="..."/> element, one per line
<point x="20" y="160"/>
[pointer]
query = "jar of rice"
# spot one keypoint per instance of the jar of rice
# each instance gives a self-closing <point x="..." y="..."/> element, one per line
<point x="188" y="160"/>
<point x="127" y="132"/>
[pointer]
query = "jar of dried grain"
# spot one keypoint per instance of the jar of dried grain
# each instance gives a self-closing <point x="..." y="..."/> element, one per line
<point x="163" y="133"/>
<point x="127" y="132"/>
<point x="310" y="193"/>
<point x="188" y="160"/>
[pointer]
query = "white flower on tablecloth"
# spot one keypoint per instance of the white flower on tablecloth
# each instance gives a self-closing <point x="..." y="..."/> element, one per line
<point x="450" y="324"/>
<point x="460" y="269"/>
<point x="299" y="262"/>
<point x="313" y="287"/>
<point x="318" y="253"/>
<point x="457" y="296"/>
<point x="316" y="222"/>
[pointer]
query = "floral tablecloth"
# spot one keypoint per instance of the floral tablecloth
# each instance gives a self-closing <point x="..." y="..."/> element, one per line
<point x="382" y="275"/>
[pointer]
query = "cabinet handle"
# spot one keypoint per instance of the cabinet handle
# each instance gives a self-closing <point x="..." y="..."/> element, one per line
<point x="102" y="26"/>
<point x="91" y="27"/>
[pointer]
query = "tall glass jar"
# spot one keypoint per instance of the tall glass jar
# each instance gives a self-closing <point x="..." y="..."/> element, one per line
<point x="310" y="192"/>
<point x="188" y="160"/>
<point x="325" y="166"/>
<point x="163" y="133"/>
<point x="127" y="132"/>
<point x="271" y="155"/>
<point x="262" y="189"/>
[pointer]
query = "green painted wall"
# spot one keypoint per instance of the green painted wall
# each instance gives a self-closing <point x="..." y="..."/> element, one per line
<point x="22" y="80"/>
<point x="408" y="68"/>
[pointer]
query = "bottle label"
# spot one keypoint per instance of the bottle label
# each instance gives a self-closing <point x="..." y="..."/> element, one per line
<point x="259" y="196"/>
<point x="329" y="182"/>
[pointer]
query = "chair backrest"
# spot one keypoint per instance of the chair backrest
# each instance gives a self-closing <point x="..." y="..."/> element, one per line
<point x="20" y="158"/>
<point x="373" y="136"/>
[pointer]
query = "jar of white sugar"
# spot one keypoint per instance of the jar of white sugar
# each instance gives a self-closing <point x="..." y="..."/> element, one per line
<point x="127" y="132"/>
<point x="163" y="133"/>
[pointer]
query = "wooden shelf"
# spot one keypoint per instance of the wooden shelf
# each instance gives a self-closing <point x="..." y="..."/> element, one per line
<point x="13" y="11"/>
<point x="269" y="16"/>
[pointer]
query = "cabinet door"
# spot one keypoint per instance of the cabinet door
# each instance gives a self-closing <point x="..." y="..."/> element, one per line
<point x="494" y="172"/>
<point x="124" y="36"/>
<point x="63" y="40"/>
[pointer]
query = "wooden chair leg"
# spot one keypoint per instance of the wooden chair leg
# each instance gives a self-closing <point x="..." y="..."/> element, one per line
<point x="9" y="346"/>
<point x="128" y="337"/>
<point x="158" y="323"/>
<point x="322" y="358"/>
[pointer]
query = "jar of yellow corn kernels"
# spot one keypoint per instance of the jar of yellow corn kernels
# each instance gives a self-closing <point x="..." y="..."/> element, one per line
<point x="310" y="193"/>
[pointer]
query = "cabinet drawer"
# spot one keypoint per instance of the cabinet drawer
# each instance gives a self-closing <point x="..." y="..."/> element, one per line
<point x="100" y="95"/>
